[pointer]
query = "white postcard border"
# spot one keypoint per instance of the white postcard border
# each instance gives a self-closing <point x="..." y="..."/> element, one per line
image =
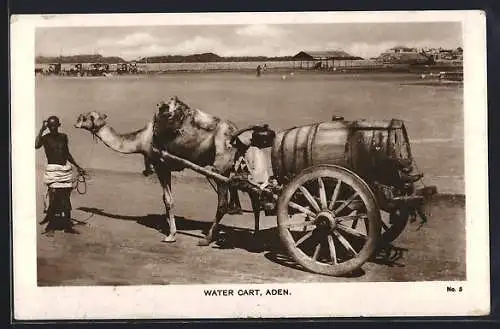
<point x="306" y="300"/>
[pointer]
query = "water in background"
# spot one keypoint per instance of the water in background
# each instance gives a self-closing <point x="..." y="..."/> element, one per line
<point x="433" y="114"/>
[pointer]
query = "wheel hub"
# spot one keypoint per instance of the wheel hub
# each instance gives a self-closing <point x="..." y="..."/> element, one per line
<point x="326" y="219"/>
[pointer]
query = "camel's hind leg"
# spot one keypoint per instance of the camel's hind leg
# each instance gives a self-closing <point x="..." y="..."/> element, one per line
<point x="257" y="243"/>
<point x="234" y="202"/>
<point x="222" y="205"/>
<point x="165" y="177"/>
<point x="254" y="198"/>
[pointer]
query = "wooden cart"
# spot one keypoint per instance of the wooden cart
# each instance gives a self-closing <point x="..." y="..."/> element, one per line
<point x="332" y="183"/>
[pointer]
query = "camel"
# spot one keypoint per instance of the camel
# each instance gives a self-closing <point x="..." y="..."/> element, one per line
<point x="188" y="133"/>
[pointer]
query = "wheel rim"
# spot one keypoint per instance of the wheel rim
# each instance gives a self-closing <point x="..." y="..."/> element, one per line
<point x="329" y="220"/>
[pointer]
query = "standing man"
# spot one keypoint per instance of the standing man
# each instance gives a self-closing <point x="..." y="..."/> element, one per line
<point x="58" y="175"/>
<point x="259" y="69"/>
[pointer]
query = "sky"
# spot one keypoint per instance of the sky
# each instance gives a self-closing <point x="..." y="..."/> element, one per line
<point x="359" y="39"/>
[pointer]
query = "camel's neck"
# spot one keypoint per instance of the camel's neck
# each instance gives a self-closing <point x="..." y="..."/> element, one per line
<point x="135" y="142"/>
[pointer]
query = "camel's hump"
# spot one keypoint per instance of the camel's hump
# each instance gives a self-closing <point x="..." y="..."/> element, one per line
<point x="204" y="120"/>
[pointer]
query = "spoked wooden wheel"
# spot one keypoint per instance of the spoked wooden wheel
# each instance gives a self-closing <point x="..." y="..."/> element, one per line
<point x="329" y="220"/>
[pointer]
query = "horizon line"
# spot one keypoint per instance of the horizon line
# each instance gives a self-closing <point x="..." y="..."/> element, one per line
<point x="239" y="56"/>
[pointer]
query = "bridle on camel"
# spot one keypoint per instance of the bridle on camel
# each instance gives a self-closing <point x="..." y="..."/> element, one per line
<point x="80" y="183"/>
<point x="94" y="130"/>
<point x="81" y="179"/>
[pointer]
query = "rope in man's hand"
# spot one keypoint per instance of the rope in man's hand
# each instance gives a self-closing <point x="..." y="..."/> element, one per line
<point x="81" y="181"/>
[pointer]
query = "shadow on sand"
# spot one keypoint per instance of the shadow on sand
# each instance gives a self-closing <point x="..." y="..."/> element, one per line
<point x="228" y="237"/>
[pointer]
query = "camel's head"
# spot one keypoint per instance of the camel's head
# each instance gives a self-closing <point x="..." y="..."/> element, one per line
<point x="171" y="113"/>
<point x="91" y="121"/>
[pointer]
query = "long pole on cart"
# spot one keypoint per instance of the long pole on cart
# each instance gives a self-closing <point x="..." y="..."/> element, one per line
<point x="206" y="172"/>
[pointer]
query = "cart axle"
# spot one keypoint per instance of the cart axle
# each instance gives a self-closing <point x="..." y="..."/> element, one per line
<point x="327" y="219"/>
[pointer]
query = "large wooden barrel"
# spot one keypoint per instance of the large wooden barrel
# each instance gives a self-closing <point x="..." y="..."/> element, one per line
<point x="300" y="147"/>
<point x="359" y="145"/>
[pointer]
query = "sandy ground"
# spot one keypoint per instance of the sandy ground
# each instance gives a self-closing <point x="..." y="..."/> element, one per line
<point x="120" y="244"/>
<point x="433" y="115"/>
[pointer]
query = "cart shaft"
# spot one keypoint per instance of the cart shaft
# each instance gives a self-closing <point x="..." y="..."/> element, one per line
<point x="199" y="169"/>
<point x="237" y="182"/>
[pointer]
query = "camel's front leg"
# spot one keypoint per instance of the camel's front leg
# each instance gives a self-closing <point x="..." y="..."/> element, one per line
<point x="168" y="200"/>
<point x="222" y="205"/>
<point x="165" y="177"/>
<point x="148" y="166"/>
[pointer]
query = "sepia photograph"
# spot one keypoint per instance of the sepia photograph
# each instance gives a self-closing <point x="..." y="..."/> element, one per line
<point x="254" y="165"/>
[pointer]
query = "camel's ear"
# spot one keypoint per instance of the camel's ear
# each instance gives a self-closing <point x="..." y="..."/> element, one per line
<point x="104" y="116"/>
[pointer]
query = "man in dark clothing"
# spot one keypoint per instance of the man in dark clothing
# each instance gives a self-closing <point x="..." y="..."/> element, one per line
<point x="58" y="175"/>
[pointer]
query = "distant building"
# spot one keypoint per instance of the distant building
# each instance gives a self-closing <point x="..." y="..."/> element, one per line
<point x="325" y="59"/>
<point x="401" y="49"/>
<point x="405" y="55"/>
<point x="440" y="54"/>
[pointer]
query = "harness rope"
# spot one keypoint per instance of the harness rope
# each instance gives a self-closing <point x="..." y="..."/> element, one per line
<point x="81" y="179"/>
<point x="211" y="184"/>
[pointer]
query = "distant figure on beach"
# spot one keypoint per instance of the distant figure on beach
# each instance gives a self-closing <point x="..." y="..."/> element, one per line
<point x="58" y="175"/>
<point x="259" y="70"/>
